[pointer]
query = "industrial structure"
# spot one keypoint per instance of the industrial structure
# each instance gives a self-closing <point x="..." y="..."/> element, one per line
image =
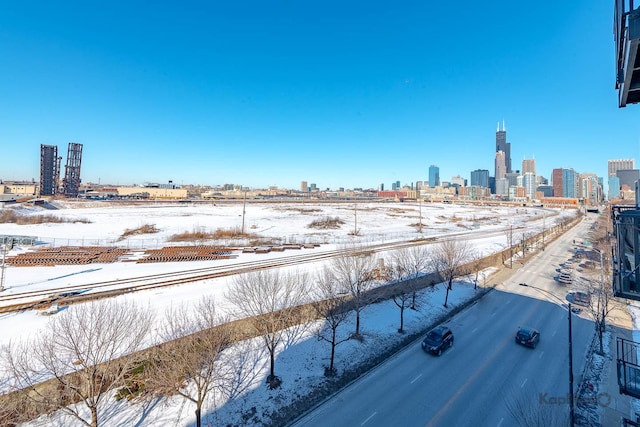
<point x="49" y="170"/>
<point x="626" y="27"/>
<point x="71" y="182"/>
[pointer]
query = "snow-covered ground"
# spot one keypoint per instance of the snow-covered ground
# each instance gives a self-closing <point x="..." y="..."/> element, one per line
<point x="300" y="364"/>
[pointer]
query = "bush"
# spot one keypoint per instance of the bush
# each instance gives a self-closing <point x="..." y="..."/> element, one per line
<point x="326" y="223"/>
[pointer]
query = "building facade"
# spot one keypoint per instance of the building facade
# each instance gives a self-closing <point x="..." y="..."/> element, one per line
<point x="434" y="176"/>
<point x="480" y="178"/>
<point x="529" y="166"/>
<point x="614" y="165"/>
<point x="504" y="146"/>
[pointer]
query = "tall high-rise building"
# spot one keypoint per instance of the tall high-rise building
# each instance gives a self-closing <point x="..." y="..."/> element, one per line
<point x="529" y="166"/>
<point x="500" y="165"/>
<point x="556" y="181"/>
<point x="628" y="177"/>
<point x="530" y="185"/>
<point x="434" y="176"/>
<point x="304" y="187"/>
<point x="49" y="170"/>
<point x="480" y="178"/>
<point x="566" y="183"/>
<point x="614" y="188"/>
<point x="615" y="165"/>
<point x="503" y="145"/>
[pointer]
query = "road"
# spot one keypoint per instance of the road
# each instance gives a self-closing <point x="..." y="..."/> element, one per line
<point x="475" y="381"/>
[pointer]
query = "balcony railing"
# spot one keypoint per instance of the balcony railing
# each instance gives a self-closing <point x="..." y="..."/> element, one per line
<point x="628" y="368"/>
<point x="626" y="29"/>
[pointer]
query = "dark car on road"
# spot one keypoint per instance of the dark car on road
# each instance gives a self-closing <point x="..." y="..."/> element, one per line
<point x="528" y="337"/>
<point x="437" y="340"/>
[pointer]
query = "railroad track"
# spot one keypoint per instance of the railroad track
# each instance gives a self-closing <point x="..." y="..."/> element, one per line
<point x="66" y="295"/>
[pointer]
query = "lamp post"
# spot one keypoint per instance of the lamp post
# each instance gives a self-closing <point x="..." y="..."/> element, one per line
<point x="571" y="403"/>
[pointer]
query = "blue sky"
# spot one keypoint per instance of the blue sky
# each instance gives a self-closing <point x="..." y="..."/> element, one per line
<point x="341" y="94"/>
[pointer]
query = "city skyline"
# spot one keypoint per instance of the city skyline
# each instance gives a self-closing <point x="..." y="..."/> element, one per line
<point x="339" y="96"/>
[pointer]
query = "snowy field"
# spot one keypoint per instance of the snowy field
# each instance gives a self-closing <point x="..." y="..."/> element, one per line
<point x="300" y="364"/>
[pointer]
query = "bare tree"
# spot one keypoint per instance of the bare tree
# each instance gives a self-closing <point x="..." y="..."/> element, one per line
<point x="407" y="265"/>
<point x="333" y="307"/>
<point x="600" y="290"/>
<point x="476" y="263"/>
<point x="187" y="363"/>
<point x="412" y="262"/>
<point x="449" y="259"/>
<point x="81" y="352"/>
<point x="354" y="271"/>
<point x="266" y="298"/>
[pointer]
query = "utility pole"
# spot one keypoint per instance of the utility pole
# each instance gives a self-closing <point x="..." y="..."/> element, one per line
<point x="355" y="216"/>
<point x="420" y="213"/>
<point x="571" y="407"/>
<point x="4" y="253"/>
<point x="244" y="205"/>
<point x="511" y="245"/>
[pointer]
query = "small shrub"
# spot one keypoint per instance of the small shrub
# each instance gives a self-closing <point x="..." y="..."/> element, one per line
<point x="9" y="216"/>
<point x="326" y="223"/>
<point x="145" y="229"/>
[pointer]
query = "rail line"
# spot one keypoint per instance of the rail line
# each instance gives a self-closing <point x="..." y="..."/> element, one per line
<point x="65" y="295"/>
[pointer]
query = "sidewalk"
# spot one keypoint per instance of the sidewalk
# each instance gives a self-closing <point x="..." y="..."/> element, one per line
<point x="620" y="325"/>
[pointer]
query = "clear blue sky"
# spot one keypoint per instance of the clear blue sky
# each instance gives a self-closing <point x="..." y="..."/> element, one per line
<point x="336" y="93"/>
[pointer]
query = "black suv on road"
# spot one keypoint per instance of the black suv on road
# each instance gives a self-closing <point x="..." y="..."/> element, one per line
<point x="527" y="336"/>
<point x="437" y="340"/>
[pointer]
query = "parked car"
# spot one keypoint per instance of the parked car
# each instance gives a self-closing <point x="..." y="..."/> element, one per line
<point x="528" y="337"/>
<point x="437" y="340"/>
<point x="565" y="277"/>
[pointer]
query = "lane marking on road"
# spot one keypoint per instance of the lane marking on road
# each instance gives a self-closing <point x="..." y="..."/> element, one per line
<point x="524" y="382"/>
<point x="474" y="330"/>
<point x="415" y="379"/>
<point x="540" y="356"/>
<point x="500" y="423"/>
<point x="554" y="333"/>
<point x="370" y="416"/>
<point x="494" y="313"/>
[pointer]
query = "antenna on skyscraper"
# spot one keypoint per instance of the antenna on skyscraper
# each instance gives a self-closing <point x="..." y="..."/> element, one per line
<point x="504" y="127"/>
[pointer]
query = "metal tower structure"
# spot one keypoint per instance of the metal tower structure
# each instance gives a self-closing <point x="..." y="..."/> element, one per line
<point x="49" y="170"/>
<point x="71" y="180"/>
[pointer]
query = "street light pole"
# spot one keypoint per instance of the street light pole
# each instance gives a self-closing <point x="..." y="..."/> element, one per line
<point x="571" y="402"/>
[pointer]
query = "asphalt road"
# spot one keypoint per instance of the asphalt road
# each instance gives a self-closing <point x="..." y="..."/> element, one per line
<point x="485" y="371"/>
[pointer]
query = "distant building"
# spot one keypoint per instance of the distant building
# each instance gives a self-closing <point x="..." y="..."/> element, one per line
<point x="500" y="165"/>
<point x="614" y="188"/>
<point x="529" y="184"/>
<point x="614" y="165"/>
<point x="529" y="166"/>
<point x="565" y="183"/>
<point x="459" y="181"/>
<point x="628" y="177"/>
<point x="434" y="176"/>
<point x="502" y="187"/>
<point x="304" y="187"/>
<point x="479" y="178"/>
<point x="504" y="146"/>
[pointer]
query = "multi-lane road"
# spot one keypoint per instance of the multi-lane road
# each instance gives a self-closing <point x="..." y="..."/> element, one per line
<point x="485" y="375"/>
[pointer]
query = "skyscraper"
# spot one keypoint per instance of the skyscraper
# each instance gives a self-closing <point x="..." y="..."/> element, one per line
<point x="500" y="165"/>
<point x="434" y="176"/>
<point x="529" y="166"/>
<point x="615" y="165"/>
<point x="480" y="178"/>
<point x="503" y="145"/>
